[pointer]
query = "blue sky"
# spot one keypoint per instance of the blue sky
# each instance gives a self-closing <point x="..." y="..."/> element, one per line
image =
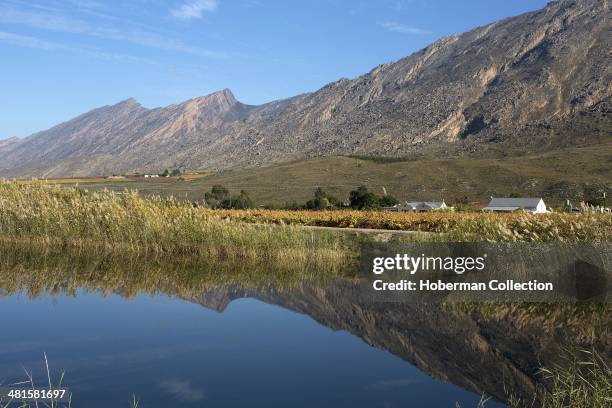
<point x="62" y="58"/>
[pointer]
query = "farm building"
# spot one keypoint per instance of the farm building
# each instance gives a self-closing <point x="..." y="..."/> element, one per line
<point x="396" y="207"/>
<point x="419" y="206"/>
<point x="509" y="204"/>
<point x="431" y="206"/>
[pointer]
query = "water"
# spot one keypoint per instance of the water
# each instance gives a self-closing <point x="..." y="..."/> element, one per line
<point x="171" y="352"/>
<point x="187" y="332"/>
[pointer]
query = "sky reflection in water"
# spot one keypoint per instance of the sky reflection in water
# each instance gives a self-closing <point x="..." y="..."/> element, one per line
<point x="172" y="352"/>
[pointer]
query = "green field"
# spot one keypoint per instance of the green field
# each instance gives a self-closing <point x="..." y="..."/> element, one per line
<point x="557" y="175"/>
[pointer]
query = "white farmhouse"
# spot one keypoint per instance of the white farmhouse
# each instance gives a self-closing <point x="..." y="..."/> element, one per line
<point x="432" y="206"/>
<point x="419" y="206"/>
<point x="509" y="204"/>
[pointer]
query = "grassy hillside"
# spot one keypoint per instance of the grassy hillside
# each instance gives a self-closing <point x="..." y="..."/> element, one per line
<point x="557" y="175"/>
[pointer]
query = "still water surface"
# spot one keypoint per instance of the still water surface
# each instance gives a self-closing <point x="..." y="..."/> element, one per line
<point x="208" y="332"/>
<point x="173" y="352"/>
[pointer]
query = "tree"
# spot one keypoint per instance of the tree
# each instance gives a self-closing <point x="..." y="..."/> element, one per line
<point x="594" y="195"/>
<point x="175" y="172"/>
<point x="388" y="201"/>
<point x="321" y="200"/>
<point x="461" y="200"/>
<point x="216" y="196"/>
<point x="243" y="201"/>
<point x="291" y="205"/>
<point x="362" y="199"/>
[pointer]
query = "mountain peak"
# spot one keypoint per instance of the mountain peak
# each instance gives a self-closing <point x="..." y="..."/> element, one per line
<point x="226" y="92"/>
<point x="223" y="97"/>
<point x="128" y="102"/>
<point x="215" y="103"/>
<point x="128" y="106"/>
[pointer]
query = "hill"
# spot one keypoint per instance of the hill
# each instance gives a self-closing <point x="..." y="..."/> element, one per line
<point x="575" y="173"/>
<point x="532" y="83"/>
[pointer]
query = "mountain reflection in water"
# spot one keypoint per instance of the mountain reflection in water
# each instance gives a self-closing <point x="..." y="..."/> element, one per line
<point x="462" y="350"/>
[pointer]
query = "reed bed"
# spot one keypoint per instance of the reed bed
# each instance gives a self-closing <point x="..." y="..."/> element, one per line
<point x="48" y="214"/>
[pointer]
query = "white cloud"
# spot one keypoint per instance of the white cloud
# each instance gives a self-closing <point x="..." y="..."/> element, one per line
<point x="404" y="29"/>
<point x="27" y="41"/>
<point x="194" y="9"/>
<point x="56" y="22"/>
<point x="87" y="4"/>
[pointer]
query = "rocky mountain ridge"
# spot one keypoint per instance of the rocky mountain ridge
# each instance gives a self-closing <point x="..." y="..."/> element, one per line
<point x="535" y="82"/>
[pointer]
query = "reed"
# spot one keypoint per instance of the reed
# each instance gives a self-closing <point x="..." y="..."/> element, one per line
<point x="47" y="214"/>
<point x="586" y="381"/>
<point x="583" y="380"/>
<point x="29" y="383"/>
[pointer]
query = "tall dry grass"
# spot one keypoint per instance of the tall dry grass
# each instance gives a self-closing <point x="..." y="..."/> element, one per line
<point x="48" y="213"/>
<point x="43" y="213"/>
<point x="584" y="380"/>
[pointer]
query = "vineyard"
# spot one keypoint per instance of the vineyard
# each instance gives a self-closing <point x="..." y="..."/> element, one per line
<point x="457" y="225"/>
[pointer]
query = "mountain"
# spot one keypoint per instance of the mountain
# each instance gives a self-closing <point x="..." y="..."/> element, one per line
<point x="535" y="82"/>
<point x="5" y="143"/>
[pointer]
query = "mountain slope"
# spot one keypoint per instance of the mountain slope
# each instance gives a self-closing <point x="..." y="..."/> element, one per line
<point x="533" y="82"/>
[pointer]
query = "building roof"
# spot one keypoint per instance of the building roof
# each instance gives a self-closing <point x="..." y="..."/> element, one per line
<point x="509" y="202"/>
<point x="434" y="204"/>
<point x="418" y="206"/>
<point x="509" y="209"/>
